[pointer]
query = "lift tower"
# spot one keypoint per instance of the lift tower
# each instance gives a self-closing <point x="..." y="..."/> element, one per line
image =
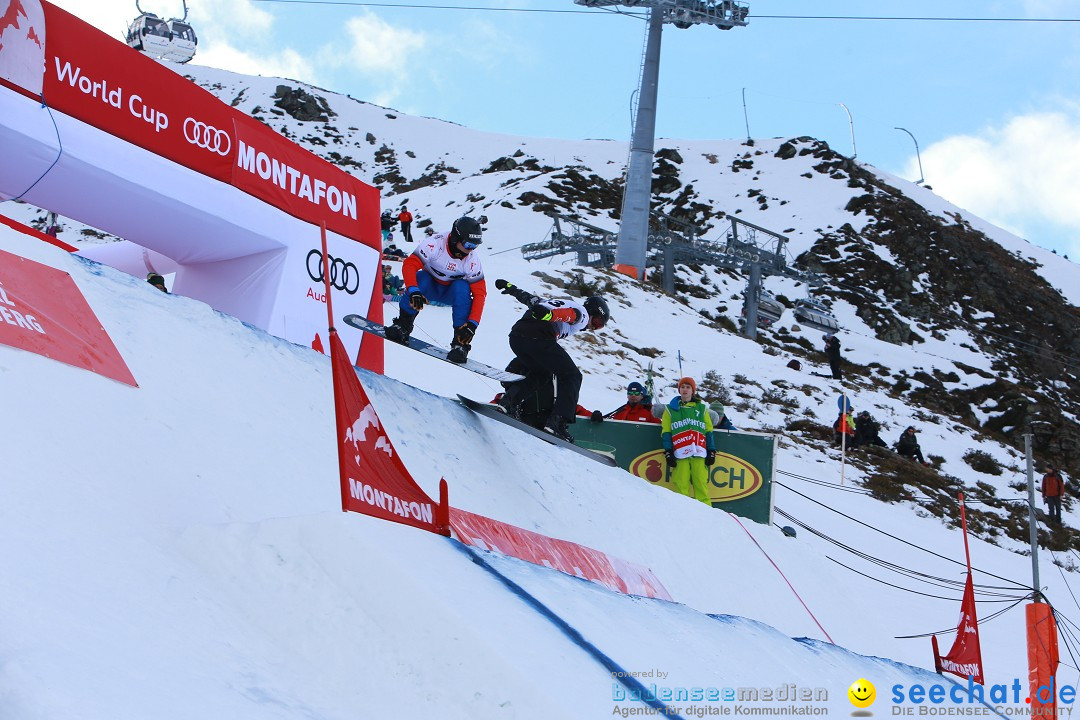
<point x="630" y="253"/>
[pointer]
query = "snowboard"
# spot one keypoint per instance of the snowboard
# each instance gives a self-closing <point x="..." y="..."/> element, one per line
<point x="361" y="323"/>
<point x="495" y="414"/>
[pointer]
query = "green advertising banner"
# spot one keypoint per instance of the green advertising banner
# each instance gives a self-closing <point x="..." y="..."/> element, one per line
<point x="740" y="481"/>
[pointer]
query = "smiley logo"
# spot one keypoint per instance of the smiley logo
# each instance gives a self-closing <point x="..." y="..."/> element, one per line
<point x="862" y="693"/>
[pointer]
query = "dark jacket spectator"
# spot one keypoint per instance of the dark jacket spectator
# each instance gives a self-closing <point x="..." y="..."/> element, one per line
<point x="866" y="430"/>
<point x="157" y="281"/>
<point x="908" y="446"/>
<point x="393" y="252"/>
<point x="1053" y="488"/>
<point x="832" y="351"/>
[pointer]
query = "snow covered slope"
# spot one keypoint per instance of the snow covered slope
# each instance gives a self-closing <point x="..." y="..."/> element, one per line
<point x="177" y="550"/>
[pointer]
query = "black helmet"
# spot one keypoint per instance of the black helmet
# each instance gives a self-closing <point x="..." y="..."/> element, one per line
<point x="597" y="308"/>
<point x="467" y="231"/>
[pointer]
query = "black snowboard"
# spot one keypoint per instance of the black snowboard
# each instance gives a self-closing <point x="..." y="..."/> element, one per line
<point x="361" y="323"/>
<point x="495" y="414"/>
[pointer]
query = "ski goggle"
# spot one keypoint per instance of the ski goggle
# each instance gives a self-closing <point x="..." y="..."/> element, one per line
<point x="469" y="245"/>
<point x="633" y="393"/>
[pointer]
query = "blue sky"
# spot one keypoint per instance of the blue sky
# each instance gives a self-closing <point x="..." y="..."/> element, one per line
<point x="995" y="106"/>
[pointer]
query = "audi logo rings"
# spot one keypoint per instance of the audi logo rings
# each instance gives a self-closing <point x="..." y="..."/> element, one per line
<point x="206" y="136"/>
<point x="343" y="275"/>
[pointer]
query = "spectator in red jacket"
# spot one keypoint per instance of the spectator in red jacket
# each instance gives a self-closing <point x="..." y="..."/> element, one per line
<point x="636" y="407"/>
<point x="1053" y="488"/>
<point x="405" y="218"/>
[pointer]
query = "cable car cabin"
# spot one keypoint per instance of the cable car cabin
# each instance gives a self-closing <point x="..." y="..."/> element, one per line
<point x="769" y="308"/>
<point x="150" y="34"/>
<point x="182" y="47"/>
<point x="814" y="314"/>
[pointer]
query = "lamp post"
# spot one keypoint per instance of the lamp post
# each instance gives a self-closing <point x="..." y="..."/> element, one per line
<point x="918" y="157"/>
<point x="851" y="124"/>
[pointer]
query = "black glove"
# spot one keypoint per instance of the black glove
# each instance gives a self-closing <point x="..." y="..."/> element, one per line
<point x="710" y="457"/>
<point x="506" y="287"/>
<point x="464" y="334"/>
<point x="540" y="312"/>
<point x="597" y="416"/>
<point x="669" y="455"/>
<point x="416" y="299"/>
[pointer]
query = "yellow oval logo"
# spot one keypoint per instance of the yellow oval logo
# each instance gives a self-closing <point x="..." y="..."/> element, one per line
<point x="730" y="477"/>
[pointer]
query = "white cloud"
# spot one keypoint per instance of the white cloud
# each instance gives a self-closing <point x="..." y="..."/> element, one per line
<point x="379" y="48"/>
<point x="1022" y="175"/>
<point x="287" y="63"/>
<point x="230" y="18"/>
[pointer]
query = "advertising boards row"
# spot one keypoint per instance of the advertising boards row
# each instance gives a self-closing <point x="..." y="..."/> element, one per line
<point x="740" y="481"/>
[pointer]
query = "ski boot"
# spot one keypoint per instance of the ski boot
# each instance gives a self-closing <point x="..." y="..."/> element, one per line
<point x="402" y="327"/>
<point x="459" y="352"/>
<point x="556" y="425"/>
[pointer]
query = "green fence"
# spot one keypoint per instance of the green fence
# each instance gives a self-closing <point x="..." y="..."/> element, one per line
<point x="740" y="481"/>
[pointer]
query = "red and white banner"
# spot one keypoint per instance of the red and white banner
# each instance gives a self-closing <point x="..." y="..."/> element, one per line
<point x="374" y="481"/>
<point x="43" y="311"/>
<point x="22" y="43"/>
<point x="965" y="657"/>
<point x="104" y="83"/>
<point x="128" y="145"/>
<point x="563" y="555"/>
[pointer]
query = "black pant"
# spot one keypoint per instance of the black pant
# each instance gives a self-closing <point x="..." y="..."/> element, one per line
<point x="834" y="365"/>
<point x="406" y="231"/>
<point x="1053" y="508"/>
<point x="538" y="353"/>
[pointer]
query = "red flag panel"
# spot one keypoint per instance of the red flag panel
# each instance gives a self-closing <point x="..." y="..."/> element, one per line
<point x="374" y="480"/>
<point x="965" y="657"/>
<point x="43" y="311"/>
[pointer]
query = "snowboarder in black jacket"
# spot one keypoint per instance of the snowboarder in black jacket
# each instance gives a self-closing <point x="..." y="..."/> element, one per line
<point x="539" y="357"/>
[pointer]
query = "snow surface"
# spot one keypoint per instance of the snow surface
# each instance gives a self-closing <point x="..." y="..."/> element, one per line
<point x="182" y="552"/>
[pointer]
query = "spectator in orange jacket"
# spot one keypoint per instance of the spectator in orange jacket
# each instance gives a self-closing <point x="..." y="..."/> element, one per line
<point x="405" y="218"/>
<point x="636" y="409"/>
<point x="1053" y="488"/>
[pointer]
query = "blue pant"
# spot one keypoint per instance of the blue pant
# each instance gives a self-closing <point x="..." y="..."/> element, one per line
<point x="457" y="294"/>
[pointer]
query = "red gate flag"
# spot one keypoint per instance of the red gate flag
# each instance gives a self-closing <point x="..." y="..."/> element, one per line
<point x="965" y="657"/>
<point x="43" y="311"/>
<point x="374" y="481"/>
<point x="1042" y="641"/>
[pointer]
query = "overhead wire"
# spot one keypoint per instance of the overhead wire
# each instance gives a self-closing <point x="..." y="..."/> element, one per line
<point x="1018" y="585"/>
<point x="566" y="11"/>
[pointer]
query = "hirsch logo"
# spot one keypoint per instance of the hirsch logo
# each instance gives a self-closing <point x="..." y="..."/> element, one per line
<point x="207" y="137"/>
<point x="343" y="275"/>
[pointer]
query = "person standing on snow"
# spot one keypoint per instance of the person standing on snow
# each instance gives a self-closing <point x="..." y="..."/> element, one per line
<point x="445" y="269"/>
<point x="1053" y="488"/>
<point x="832" y="351"/>
<point x="538" y="355"/>
<point x="686" y="431"/>
<point x="405" y="218"/>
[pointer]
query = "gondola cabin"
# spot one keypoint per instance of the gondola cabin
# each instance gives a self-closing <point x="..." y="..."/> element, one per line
<point x="814" y="314"/>
<point x="150" y="34"/>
